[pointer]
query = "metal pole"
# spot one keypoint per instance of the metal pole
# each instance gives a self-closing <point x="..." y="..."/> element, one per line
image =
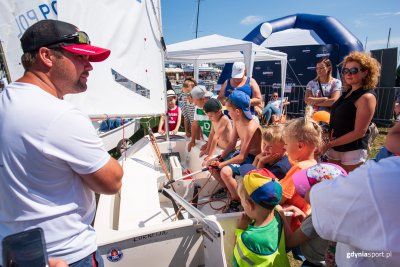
<point x="198" y="14"/>
<point x="388" y="41"/>
<point x="366" y="41"/>
<point x="4" y="62"/>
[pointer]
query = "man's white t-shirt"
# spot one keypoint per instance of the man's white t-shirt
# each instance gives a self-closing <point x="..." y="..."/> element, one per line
<point x="45" y="144"/>
<point x="361" y="213"/>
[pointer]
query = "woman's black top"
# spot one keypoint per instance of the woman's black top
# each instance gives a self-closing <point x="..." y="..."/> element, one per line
<point x="343" y="118"/>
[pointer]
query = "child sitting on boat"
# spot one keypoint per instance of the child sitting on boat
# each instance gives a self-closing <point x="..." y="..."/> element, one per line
<point x="260" y="239"/>
<point x="273" y="156"/>
<point x="174" y="115"/>
<point x="221" y="128"/>
<point x="247" y="130"/>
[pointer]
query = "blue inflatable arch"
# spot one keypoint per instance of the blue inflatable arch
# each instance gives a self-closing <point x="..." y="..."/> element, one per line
<point x="330" y="30"/>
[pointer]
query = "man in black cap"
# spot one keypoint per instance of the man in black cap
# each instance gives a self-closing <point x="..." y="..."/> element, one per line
<point x="51" y="159"/>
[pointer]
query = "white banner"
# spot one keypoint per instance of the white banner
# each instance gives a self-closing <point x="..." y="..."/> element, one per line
<point x="15" y="17"/>
<point x="132" y="80"/>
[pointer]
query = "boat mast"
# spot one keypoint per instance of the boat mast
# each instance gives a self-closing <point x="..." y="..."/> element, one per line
<point x="197" y="19"/>
<point x="4" y="62"/>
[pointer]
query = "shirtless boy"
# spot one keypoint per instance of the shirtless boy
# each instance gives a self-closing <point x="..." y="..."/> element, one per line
<point x="221" y="128"/>
<point x="247" y="130"/>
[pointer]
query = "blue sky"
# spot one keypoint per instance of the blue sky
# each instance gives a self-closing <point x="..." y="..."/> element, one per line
<point x="236" y="18"/>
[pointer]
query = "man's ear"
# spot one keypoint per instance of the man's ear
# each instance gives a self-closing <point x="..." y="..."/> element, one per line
<point x="44" y="55"/>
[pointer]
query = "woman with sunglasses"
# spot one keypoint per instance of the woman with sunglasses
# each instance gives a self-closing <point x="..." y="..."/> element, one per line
<point x="273" y="108"/>
<point x="352" y="113"/>
<point x="324" y="90"/>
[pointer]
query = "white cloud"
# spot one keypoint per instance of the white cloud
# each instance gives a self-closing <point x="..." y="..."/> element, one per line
<point x="386" y="14"/>
<point x="381" y="43"/>
<point x="251" y="20"/>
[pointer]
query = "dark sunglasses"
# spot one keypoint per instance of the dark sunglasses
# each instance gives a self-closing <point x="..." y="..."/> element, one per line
<point x="74" y="38"/>
<point x="350" y="71"/>
<point x="274" y="96"/>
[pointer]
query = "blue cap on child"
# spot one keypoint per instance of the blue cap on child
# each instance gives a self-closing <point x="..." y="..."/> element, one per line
<point x="242" y="101"/>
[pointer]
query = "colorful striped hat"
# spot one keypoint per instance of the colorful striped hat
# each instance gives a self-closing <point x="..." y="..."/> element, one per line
<point x="264" y="190"/>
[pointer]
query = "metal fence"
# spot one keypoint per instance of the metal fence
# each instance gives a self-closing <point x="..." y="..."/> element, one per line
<point x="383" y="117"/>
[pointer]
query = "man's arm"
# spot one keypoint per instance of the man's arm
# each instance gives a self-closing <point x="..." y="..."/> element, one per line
<point x="256" y="93"/>
<point x="107" y="180"/>
<point x="221" y="95"/>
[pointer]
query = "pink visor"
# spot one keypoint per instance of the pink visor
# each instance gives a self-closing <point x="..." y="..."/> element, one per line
<point x="96" y="54"/>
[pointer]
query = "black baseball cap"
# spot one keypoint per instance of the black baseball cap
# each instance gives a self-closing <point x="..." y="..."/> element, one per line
<point x="55" y="33"/>
<point x="212" y="105"/>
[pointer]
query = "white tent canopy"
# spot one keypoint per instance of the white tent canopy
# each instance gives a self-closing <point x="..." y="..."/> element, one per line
<point x="220" y="49"/>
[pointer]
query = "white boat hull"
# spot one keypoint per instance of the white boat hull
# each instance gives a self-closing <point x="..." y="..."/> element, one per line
<point x="140" y="222"/>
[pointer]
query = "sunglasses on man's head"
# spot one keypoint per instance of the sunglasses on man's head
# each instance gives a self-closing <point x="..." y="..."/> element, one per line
<point x="350" y="71"/>
<point x="74" y="38"/>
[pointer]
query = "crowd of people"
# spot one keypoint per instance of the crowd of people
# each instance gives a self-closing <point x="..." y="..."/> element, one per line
<point x="291" y="199"/>
<point x="282" y="163"/>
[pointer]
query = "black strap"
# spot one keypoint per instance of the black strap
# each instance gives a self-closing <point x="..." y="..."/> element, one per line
<point x="320" y="88"/>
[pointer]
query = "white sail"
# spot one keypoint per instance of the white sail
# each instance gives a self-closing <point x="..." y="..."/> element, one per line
<point x="15" y="17"/>
<point x="131" y="81"/>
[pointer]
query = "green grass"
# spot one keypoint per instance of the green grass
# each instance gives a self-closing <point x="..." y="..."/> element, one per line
<point x="378" y="142"/>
